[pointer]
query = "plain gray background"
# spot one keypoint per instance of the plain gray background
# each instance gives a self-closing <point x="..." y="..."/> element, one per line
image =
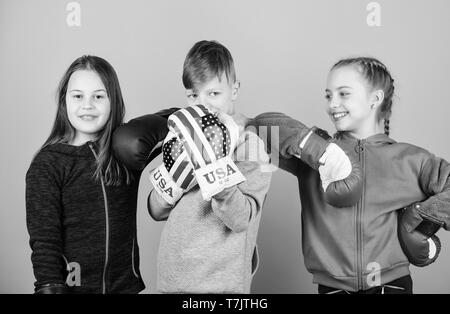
<point x="282" y="50"/>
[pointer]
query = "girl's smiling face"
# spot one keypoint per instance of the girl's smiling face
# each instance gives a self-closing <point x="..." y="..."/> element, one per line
<point x="88" y="105"/>
<point x="351" y="104"/>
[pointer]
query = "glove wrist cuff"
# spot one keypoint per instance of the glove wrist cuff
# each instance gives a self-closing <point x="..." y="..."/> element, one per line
<point x="420" y="221"/>
<point x="313" y="150"/>
<point x="305" y="139"/>
<point x="428" y="227"/>
<point x="165" y="186"/>
<point x="217" y="176"/>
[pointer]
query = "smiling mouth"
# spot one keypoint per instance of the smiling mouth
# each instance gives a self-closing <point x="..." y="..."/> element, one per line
<point x="87" y="117"/>
<point x="339" y="115"/>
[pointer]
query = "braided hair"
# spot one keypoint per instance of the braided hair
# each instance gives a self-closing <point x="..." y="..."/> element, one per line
<point x="378" y="76"/>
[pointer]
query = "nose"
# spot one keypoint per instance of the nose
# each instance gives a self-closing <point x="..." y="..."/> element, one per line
<point x="202" y="100"/>
<point x="89" y="103"/>
<point x="333" y="103"/>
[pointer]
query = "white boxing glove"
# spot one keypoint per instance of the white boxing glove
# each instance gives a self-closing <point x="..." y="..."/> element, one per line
<point x="335" y="165"/>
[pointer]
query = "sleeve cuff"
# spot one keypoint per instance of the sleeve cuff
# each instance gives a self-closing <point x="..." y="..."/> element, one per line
<point x="224" y="193"/>
<point x="52" y="288"/>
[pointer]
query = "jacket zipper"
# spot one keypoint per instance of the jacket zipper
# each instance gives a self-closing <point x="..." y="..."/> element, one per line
<point x="359" y="209"/>
<point x="107" y="226"/>
<point x="132" y="259"/>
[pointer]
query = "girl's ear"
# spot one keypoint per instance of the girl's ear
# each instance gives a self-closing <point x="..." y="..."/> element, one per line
<point x="377" y="98"/>
<point x="235" y="89"/>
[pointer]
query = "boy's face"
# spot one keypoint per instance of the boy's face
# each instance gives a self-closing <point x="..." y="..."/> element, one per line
<point x="216" y="94"/>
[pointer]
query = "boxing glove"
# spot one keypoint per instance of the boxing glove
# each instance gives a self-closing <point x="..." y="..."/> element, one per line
<point x="416" y="234"/>
<point x="340" y="173"/>
<point x="209" y="140"/>
<point x="175" y="175"/>
<point x="137" y="142"/>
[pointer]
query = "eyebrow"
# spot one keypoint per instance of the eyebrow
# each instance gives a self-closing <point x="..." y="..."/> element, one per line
<point x="97" y="90"/>
<point x="340" y="87"/>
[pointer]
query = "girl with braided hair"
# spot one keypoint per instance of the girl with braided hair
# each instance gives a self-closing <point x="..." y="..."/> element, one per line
<point x="391" y="198"/>
<point x="378" y="79"/>
<point x="364" y="248"/>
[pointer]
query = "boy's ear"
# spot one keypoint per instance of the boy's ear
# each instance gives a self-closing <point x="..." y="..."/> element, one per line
<point x="235" y="89"/>
<point x="377" y="98"/>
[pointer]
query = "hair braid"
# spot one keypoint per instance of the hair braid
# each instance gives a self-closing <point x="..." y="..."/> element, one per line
<point x="386" y="127"/>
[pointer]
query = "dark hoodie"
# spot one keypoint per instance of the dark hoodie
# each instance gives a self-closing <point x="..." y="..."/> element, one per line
<point x="344" y="247"/>
<point x="79" y="223"/>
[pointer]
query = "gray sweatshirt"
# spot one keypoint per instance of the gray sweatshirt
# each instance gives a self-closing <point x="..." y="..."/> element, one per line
<point x="210" y="246"/>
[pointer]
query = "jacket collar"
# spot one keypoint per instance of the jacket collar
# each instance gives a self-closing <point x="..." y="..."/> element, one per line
<point x="71" y="150"/>
<point x="379" y="138"/>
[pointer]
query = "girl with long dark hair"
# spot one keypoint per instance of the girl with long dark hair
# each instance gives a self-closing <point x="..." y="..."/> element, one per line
<point x="80" y="200"/>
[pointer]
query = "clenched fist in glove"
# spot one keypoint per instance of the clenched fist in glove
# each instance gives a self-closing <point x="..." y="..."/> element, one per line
<point x="416" y="234"/>
<point x="340" y="174"/>
<point x="175" y="175"/>
<point x="137" y="142"/>
<point x="209" y="141"/>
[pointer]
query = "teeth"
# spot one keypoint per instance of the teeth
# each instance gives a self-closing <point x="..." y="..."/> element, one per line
<point x="87" y="118"/>
<point x="339" y="115"/>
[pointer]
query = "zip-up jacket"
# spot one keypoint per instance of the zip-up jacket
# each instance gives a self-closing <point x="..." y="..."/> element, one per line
<point x="356" y="247"/>
<point x="82" y="231"/>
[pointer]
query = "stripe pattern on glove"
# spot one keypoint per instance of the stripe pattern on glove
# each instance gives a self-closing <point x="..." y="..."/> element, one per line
<point x="209" y="141"/>
<point x="174" y="158"/>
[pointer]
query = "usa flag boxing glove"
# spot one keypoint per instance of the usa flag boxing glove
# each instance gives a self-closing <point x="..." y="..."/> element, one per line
<point x="175" y="175"/>
<point x="209" y="140"/>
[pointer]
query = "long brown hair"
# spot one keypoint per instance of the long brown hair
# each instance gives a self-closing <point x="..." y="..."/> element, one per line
<point x="63" y="132"/>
